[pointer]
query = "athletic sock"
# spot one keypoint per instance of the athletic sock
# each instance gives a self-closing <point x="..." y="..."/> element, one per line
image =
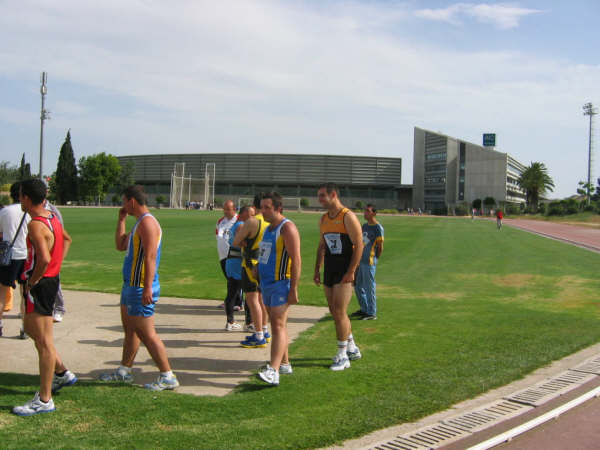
<point x="124" y="369"/>
<point x="60" y="374"/>
<point x="259" y="335"/>
<point x="342" y="347"/>
<point x="351" y="343"/>
<point x="168" y="374"/>
<point x="265" y="329"/>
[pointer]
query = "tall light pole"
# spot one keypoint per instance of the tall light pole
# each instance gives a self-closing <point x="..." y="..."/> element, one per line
<point x="589" y="110"/>
<point x="43" y="116"/>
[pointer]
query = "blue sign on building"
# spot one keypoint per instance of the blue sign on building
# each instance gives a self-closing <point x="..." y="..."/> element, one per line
<point x="489" y="139"/>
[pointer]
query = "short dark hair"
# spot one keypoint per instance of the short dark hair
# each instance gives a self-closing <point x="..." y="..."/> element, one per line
<point x="35" y="189"/>
<point x="14" y="191"/>
<point x="330" y="187"/>
<point x="373" y="208"/>
<point x="276" y="199"/>
<point x="243" y="209"/>
<point x="257" y="198"/>
<point x="136" y="191"/>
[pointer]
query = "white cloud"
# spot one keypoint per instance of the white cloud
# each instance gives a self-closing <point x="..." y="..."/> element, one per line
<point x="502" y="16"/>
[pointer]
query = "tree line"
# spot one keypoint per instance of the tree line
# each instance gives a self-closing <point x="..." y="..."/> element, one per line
<point x="87" y="181"/>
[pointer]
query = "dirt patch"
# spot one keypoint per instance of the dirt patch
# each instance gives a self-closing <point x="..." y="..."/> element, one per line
<point x="518" y="280"/>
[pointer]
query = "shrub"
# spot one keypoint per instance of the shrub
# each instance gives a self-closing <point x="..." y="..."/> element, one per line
<point x="589" y="208"/>
<point x="159" y="199"/>
<point x="5" y="200"/>
<point x="304" y="202"/>
<point x="512" y="210"/>
<point x="542" y="208"/>
<point x="477" y="204"/>
<point x="555" y="209"/>
<point x="461" y="210"/>
<point x="359" y="205"/>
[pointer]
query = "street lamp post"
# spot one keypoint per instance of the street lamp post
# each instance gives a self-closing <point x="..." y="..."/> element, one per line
<point x="589" y="110"/>
<point x="43" y="116"/>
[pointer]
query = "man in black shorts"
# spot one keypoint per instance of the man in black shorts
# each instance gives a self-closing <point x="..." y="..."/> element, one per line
<point x="340" y="248"/>
<point x="47" y="244"/>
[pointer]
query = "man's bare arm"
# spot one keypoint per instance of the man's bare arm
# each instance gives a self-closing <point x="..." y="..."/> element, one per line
<point x="120" y="234"/>
<point x="291" y="239"/>
<point x="355" y="233"/>
<point x="39" y="241"/>
<point x="149" y="233"/>
<point x="67" y="241"/>
<point x="245" y="231"/>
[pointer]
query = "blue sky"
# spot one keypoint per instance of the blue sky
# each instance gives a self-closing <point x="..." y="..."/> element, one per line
<point x="327" y="77"/>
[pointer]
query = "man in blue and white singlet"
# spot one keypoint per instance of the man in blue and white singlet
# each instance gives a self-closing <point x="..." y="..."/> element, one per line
<point x="279" y="267"/>
<point x="141" y="289"/>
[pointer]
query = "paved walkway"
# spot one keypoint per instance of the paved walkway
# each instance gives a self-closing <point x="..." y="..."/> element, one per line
<point x="207" y="359"/>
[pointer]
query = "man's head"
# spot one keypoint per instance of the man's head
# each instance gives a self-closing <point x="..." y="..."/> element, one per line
<point x="245" y="213"/>
<point x="271" y="205"/>
<point x="256" y="202"/>
<point x="327" y="194"/>
<point x="370" y="212"/>
<point x="32" y="193"/>
<point x="229" y="209"/>
<point x="15" y="188"/>
<point x="134" y="196"/>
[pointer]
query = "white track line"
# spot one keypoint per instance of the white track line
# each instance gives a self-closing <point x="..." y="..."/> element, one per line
<point x="508" y="435"/>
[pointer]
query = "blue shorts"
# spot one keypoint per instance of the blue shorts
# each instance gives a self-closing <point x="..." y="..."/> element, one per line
<point x="275" y="294"/>
<point x="131" y="297"/>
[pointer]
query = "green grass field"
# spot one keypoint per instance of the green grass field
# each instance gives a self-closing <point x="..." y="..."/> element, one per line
<point x="463" y="308"/>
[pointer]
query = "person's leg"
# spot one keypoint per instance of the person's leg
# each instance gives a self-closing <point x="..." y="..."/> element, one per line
<point x="359" y="288"/>
<point x="370" y="290"/>
<point x="3" y="294"/>
<point x="338" y="298"/>
<point x="279" y="344"/>
<point x="39" y="327"/>
<point x="254" y="304"/>
<point x="131" y="341"/>
<point x="59" y="305"/>
<point x="144" y="328"/>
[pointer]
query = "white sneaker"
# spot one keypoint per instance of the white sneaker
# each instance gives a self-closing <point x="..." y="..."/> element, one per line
<point x="58" y="316"/>
<point x="285" y="369"/>
<point x="233" y="326"/>
<point x="68" y="379"/>
<point x="35" y="406"/>
<point x="354" y="355"/>
<point x="163" y="383"/>
<point x="340" y="363"/>
<point x="269" y="375"/>
<point x="117" y="375"/>
<point x="250" y="327"/>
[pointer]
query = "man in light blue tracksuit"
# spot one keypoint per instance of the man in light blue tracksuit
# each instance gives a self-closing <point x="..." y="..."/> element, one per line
<point x="365" y="273"/>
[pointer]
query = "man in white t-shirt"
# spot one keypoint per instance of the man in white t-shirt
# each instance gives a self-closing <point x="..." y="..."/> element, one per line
<point x="10" y="218"/>
<point x="224" y="225"/>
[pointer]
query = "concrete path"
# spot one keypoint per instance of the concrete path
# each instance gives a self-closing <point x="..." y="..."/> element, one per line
<point x="207" y="359"/>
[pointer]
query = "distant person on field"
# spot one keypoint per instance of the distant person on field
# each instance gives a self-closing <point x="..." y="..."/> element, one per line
<point x="364" y="285"/>
<point x="233" y="269"/>
<point x="499" y="216"/>
<point x="340" y="249"/>
<point x="47" y="245"/>
<point x="222" y="230"/>
<point x="10" y="219"/>
<point x="141" y="289"/>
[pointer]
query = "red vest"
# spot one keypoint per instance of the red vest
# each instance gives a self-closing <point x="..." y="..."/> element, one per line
<point x="56" y="253"/>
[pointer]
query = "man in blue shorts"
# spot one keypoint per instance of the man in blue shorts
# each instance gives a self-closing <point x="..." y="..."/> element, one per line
<point x="279" y="267"/>
<point x="141" y="290"/>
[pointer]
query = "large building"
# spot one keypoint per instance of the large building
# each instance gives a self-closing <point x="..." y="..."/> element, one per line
<point x="365" y="178"/>
<point x="448" y="172"/>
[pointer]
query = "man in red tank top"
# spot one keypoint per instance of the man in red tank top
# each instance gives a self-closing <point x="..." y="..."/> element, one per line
<point x="47" y="244"/>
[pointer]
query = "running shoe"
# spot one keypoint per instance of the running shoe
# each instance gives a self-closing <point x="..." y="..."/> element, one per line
<point x="117" y="375"/>
<point x="285" y="369"/>
<point x="340" y="363"/>
<point x="353" y="356"/>
<point x="357" y="313"/>
<point x="35" y="406"/>
<point x="163" y="383"/>
<point x="369" y="317"/>
<point x="253" y="342"/>
<point x="234" y="326"/>
<point x="68" y="379"/>
<point x="57" y="316"/>
<point x="267" y="336"/>
<point x="269" y="375"/>
<point x="250" y="327"/>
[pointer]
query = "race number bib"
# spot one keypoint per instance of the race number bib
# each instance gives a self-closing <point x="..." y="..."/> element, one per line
<point x="366" y="239"/>
<point x="334" y="243"/>
<point x="264" y="251"/>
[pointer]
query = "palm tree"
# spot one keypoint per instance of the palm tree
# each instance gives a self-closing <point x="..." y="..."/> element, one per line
<point x="535" y="181"/>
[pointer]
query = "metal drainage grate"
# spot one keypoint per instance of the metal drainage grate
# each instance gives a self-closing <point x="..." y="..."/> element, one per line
<point x="487" y="416"/>
<point x="433" y="436"/>
<point x="540" y="393"/>
<point x="591" y="365"/>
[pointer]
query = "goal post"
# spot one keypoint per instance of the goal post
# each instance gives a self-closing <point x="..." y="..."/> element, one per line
<point x="187" y="191"/>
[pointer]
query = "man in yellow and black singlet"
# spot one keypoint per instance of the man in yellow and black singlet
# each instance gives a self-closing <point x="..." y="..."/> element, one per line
<point x="340" y="249"/>
<point x="248" y="237"/>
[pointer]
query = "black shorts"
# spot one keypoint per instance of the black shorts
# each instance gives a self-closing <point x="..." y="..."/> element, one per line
<point x="42" y="296"/>
<point x="248" y="283"/>
<point x="333" y="273"/>
<point x="9" y="274"/>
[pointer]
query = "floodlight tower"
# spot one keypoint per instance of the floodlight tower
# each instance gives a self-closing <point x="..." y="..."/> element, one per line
<point x="43" y="116"/>
<point x="589" y="110"/>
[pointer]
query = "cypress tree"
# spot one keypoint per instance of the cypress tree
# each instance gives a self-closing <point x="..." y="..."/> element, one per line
<point x="66" y="173"/>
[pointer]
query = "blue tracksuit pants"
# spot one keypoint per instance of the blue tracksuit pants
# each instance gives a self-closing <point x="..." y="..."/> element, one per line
<point x="365" y="288"/>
